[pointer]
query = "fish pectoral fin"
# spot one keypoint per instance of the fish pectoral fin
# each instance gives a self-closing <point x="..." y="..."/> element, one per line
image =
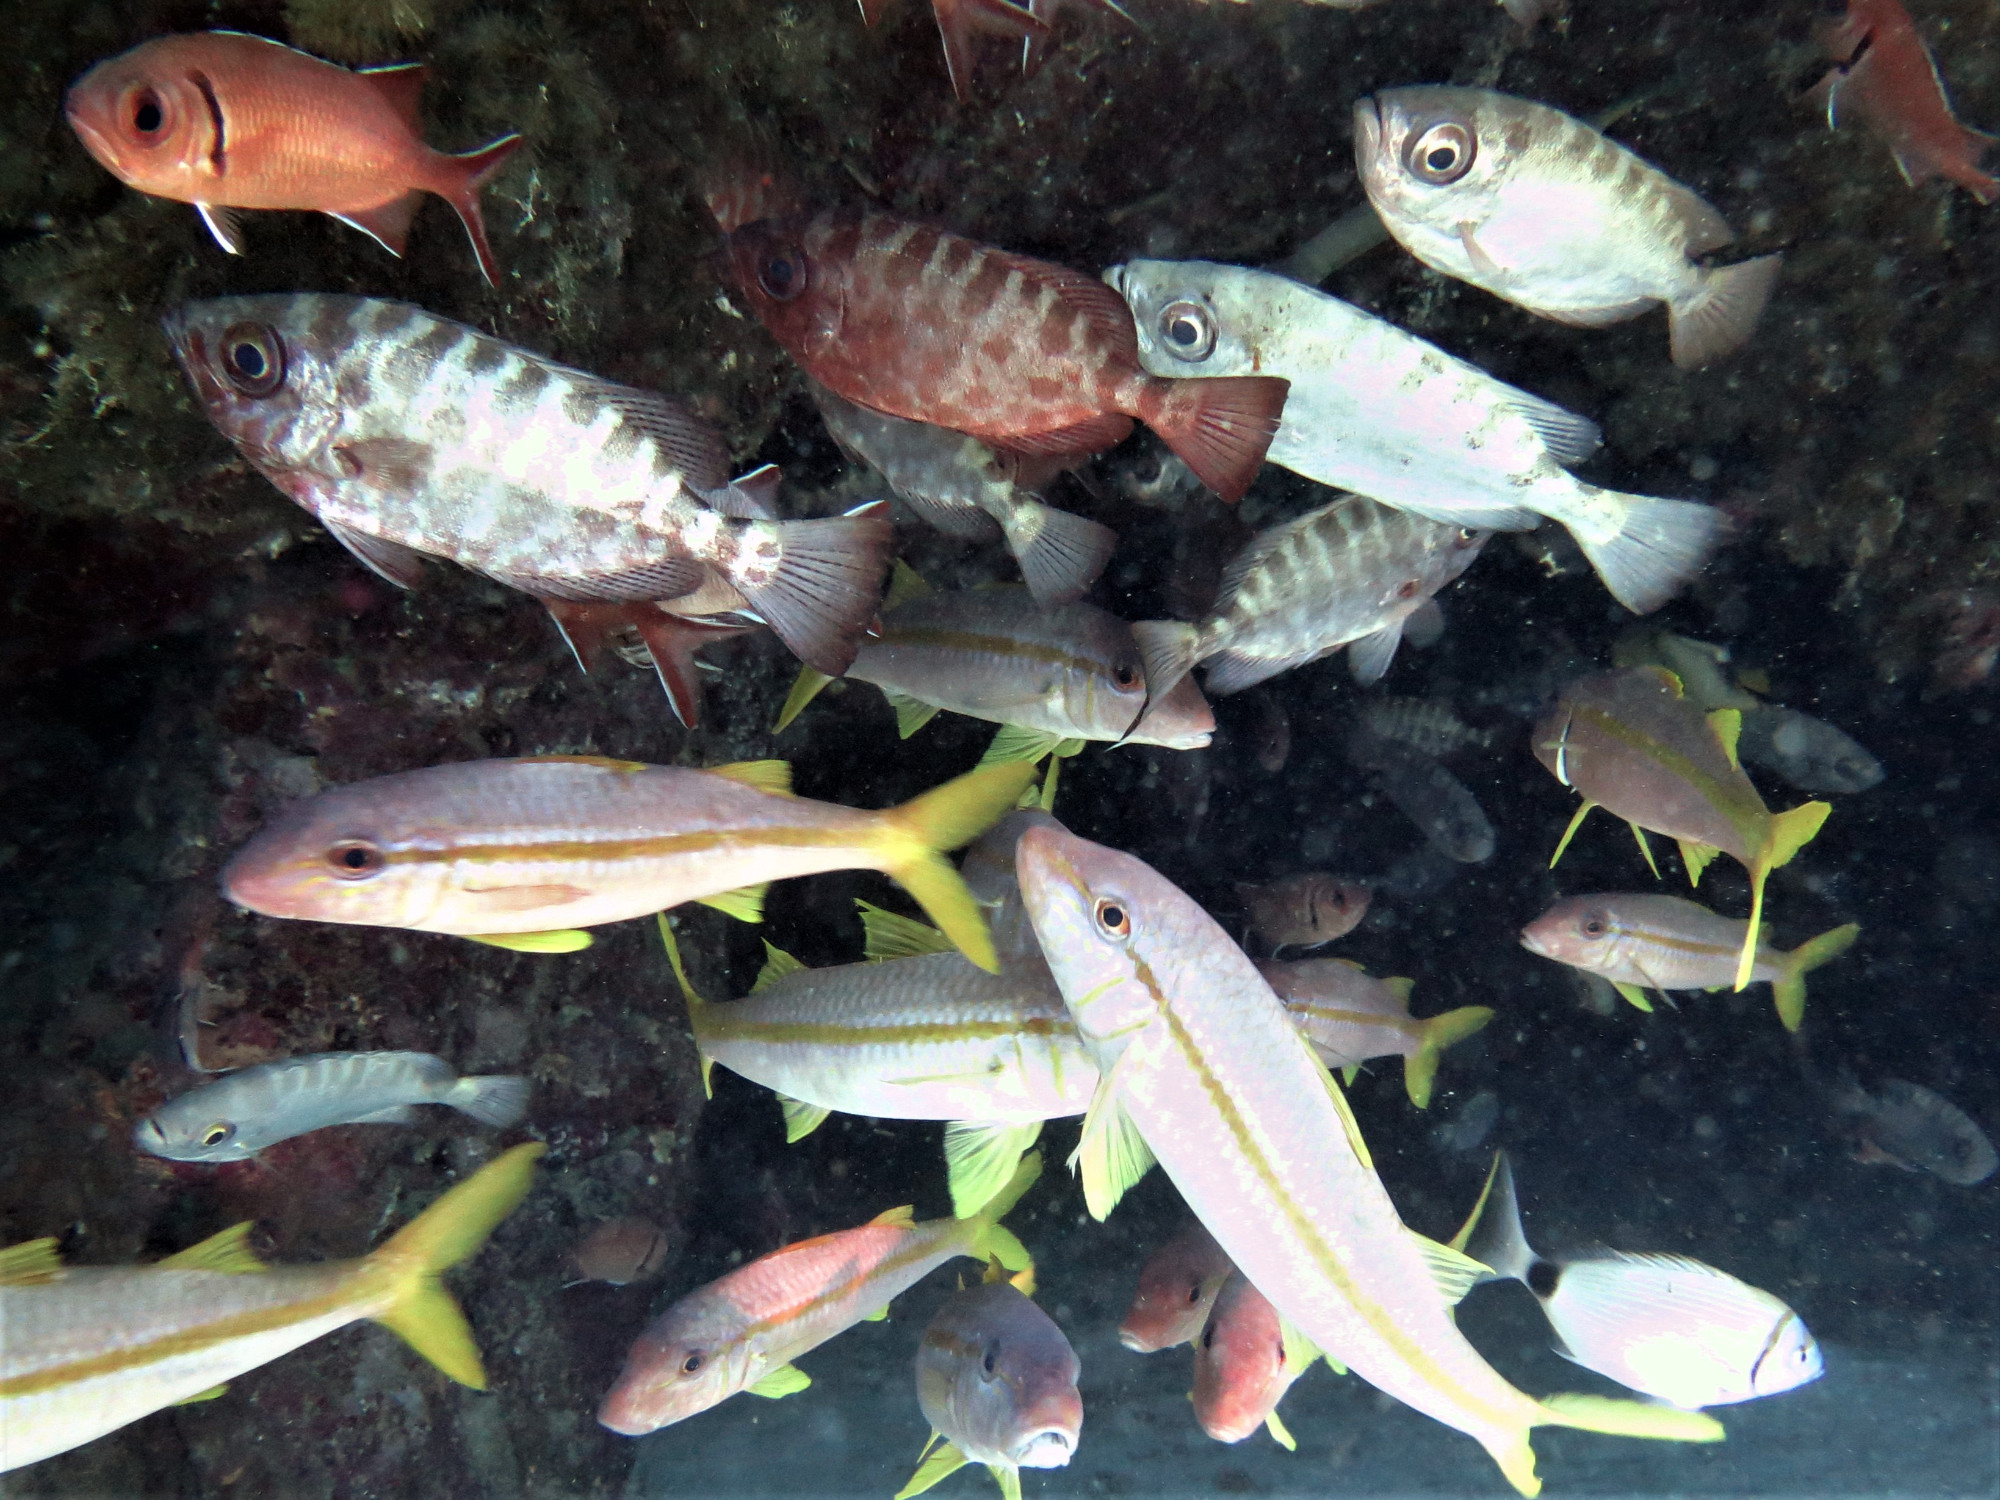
<point x="773" y="776"/>
<point x="801" y="1118"/>
<point x="1482" y="263"/>
<point x="395" y="1114"/>
<point x="1695" y="858"/>
<point x="228" y="1252"/>
<point x="745" y="904"/>
<point x="524" y="897"/>
<point x="911" y="714"/>
<point x="560" y="940"/>
<point x="1633" y="994"/>
<point x="777" y="964"/>
<point x="888" y="934"/>
<point x="1453" y="1272"/>
<point x="1015" y="743"/>
<point x="905" y="584"/>
<point x="1728" y="726"/>
<point x="208" y="1395"/>
<point x="391" y="561"/>
<point x="1582" y="812"/>
<point x="1280" y="1434"/>
<point x="1111" y="1155"/>
<point x="786" y="1380"/>
<point x="805" y="687"/>
<point x="979" y="1158"/>
<point x="1645" y="848"/>
<point x="224" y="224"/>
<point x="880" y="1315"/>
<point x="1368" y="659"/>
<point x="29" y="1262"/>
<point x="938" y="1463"/>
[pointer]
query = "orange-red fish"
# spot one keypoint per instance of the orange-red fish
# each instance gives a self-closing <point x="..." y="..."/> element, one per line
<point x="1884" y="73"/>
<point x="226" y="121"/>
<point x="1246" y="1359"/>
<point x="1176" y="1290"/>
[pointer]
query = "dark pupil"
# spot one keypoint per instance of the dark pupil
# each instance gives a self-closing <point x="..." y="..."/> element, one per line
<point x="779" y="274"/>
<point x="1208" y="1337"/>
<point x="249" y="361"/>
<point x="691" y="1364"/>
<point x="1440" y="158"/>
<point x="147" y="118"/>
<point x="214" y="1137"/>
<point x="1114" y="916"/>
<point x="355" y="859"/>
<point x="1126" y="676"/>
<point x="1185" y="333"/>
<point x="1594" y="928"/>
<point x="1194" y="1294"/>
<point x="992" y="1358"/>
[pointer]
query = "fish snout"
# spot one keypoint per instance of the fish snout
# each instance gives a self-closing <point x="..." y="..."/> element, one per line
<point x="1369" y="129"/>
<point x="1049" y="1448"/>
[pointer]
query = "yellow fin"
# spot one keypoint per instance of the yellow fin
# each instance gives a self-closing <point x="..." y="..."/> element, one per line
<point x="777" y="964"/>
<point x="1045" y="798"/>
<point x="1728" y="726"/>
<point x="1339" y="1097"/>
<point x="606" y="762"/>
<point x="1792" y="831"/>
<point x="563" y="940"/>
<point x="912" y="714"/>
<point x="1280" y="1433"/>
<point x="786" y="1380"/>
<point x="910" y="838"/>
<point x="939" y="1463"/>
<point x="1015" y="742"/>
<point x="746" y="903"/>
<point x="1636" y="1419"/>
<point x="887" y="935"/>
<point x="1111" y="1155"/>
<point x="979" y="1159"/>
<point x="1696" y="858"/>
<point x="1633" y="994"/>
<point x="228" y="1252"/>
<point x="421" y="1311"/>
<point x="1300" y="1351"/>
<point x="801" y="1118"/>
<point x="1434" y="1035"/>
<point x="1569" y="833"/>
<point x="1463" y="1238"/>
<point x="880" y="1315"/>
<point x="1788" y="990"/>
<point x="773" y="776"/>
<point x="1349" y="1073"/>
<point x="29" y="1262"/>
<point x="695" y="1003"/>
<point x="992" y="1240"/>
<point x="805" y="687"/>
<point x="208" y="1395"/>
<point x="1453" y="1272"/>
<point x="905" y="584"/>
<point x="903" y="1216"/>
<point x="1645" y="848"/>
<point x="1008" y="1478"/>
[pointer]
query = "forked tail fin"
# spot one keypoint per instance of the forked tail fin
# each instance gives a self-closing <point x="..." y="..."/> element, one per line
<point x="1659" y="546"/>
<point x="1439" y="1032"/>
<point x="1789" y="988"/>
<point x="913" y="836"/>
<point x="471" y="171"/>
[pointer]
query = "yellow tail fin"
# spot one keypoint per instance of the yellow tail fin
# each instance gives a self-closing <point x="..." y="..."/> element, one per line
<point x="1420" y="1067"/>
<point x="451" y="1229"/>
<point x="993" y="1240"/>
<point x="914" y="835"/>
<point x="1789" y="988"/>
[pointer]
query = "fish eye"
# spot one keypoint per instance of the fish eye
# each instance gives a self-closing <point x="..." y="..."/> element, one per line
<point x="1442" y="154"/>
<point x="1194" y="1294"/>
<point x="693" y="1363"/>
<point x="217" y="1133"/>
<point x="1208" y="1337"/>
<point x="146" y="112"/>
<point x="992" y="1360"/>
<point x="1188" y="331"/>
<point x="1125" y="675"/>
<point x="782" y="274"/>
<point x="1112" y="918"/>
<point x="1467" y="534"/>
<point x="1595" y="926"/>
<point x="253" y="357"/>
<point x="356" y="859"/>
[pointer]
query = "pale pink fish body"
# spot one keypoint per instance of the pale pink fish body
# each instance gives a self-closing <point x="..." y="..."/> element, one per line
<point x="1344" y="1011"/>
<point x="1242" y="1366"/>
<point x="1176" y="1290"/>
<point x="997" y="1379"/>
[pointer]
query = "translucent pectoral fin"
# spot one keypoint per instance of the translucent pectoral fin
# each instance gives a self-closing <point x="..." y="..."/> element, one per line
<point x="1111" y="1156"/>
<point x="980" y="1158"/>
<point x="565" y="940"/>
<point x="801" y="1118"/>
<point x="887" y="935"/>
<point x="938" y="1463"/>
<point x="746" y="904"/>
<point x="786" y="1380"/>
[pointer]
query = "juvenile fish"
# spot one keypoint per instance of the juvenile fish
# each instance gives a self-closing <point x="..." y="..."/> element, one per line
<point x="1349" y="1016"/>
<point x="1303" y="911"/>
<point x="742" y="1331"/>
<point x="1667" y="1326"/>
<point x="406" y="435"/>
<point x="1539" y="208"/>
<point x="1247" y="1357"/>
<point x="1663" y="943"/>
<point x="1177" y="1287"/>
<point x="1030" y="356"/>
<point x="1379" y="411"/>
<point x="1424" y="724"/>
<point x="1347" y="574"/>
<point x="1912" y="1127"/>
<point x="242" y="1112"/>
<point x="1808" y="753"/>
<point x="1427" y="794"/>
<point x="1884" y="72"/>
<point x="997" y="1380"/>
<point x="1628" y="741"/>
<point x="523" y="852"/>
<point x="85" y="1350"/>
<point x="226" y="121"/>
<point x="622" y="1251"/>
<point x="957" y="484"/>
<point x="1204" y="1072"/>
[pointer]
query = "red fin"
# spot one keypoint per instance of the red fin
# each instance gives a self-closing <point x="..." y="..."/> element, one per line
<point x="388" y="224"/>
<point x="402" y="84"/>
<point x="1220" y="428"/>
<point x="1093" y="435"/>
<point x="958" y="20"/>
<point x="587" y="628"/>
<point x="672" y="643"/>
<point x="472" y="170"/>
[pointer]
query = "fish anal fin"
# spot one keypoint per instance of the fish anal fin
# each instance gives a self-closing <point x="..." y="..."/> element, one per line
<point x="228" y="1252"/>
<point x="388" y="224"/>
<point x="560" y="940"/>
<point x="980" y="1158"/>
<point x="29" y="1262"/>
<point x="801" y="1118"/>
<point x="786" y="1380"/>
<point x="938" y="1463"/>
<point x="1695" y="858"/>
<point x="805" y="688"/>
<point x="208" y="1395"/>
<point x="391" y="561"/>
<point x="672" y="643"/>
<point x="1582" y="812"/>
<point x="888" y="934"/>
<point x="911" y="714"/>
<point x="402" y="85"/>
<point x="745" y="904"/>
<point x="1633" y="994"/>
<point x="773" y="776"/>
<point x="1111" y="1155"/>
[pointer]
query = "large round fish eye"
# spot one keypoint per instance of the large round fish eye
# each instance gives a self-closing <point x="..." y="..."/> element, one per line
<point x="1111" y="917"/>
<point x="356" y="859"/>
<point x="782" y="274"/>
<point x="145" y="112"/>
<point x="992" y="1360"/>
<point x="692" y="1364"/>
<point x="1125" y="675"/>
<point x="1442" y="154"/>
<point x="1595" y="925"/>
<point x="253" y="357"/>
<point x="1187" y="329"/>
<point x="218" y="1133"/>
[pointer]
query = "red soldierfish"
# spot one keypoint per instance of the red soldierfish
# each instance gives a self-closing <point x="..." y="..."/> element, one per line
<point x="227" y="121"/>
<point x="1885" y="73"/>
<point x="1176" y="1290"/>
<point x="1033" y="357"/>
<point x="959" y="20"/>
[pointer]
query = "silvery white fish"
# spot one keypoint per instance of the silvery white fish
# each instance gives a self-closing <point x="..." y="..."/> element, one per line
<point x="406" y="434"/>
<point x="1541" y="209"/>
<point x="960" y="486"/>
<point x="1427" y="794"/>
<point x="1350" y="572"/>
<point x="1350" y="1016"/>
<point x="244" y="1111"/>
<point x="1665" y="1325"/>
<point x="1379" y="411"/>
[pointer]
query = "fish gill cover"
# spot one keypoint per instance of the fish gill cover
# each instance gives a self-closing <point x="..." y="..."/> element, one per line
<point x="186" y="651"/>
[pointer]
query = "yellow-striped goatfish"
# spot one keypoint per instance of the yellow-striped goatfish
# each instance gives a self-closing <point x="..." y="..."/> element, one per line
<point x="1203" y="1072"/>
<point x="742" y="1331"/>
<point x="521" y="853"/>
<point x="1350" y="1016"/>
<point x="86" y="1349"/>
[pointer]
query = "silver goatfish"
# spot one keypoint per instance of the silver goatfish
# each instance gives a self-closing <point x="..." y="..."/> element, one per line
<point x="960" y="486"/>
<point x="1669" y="1327"/>
<point x="244" y="1111"/>
<point x="1350" y="1016"/>
<point x="1541" y="209"/>
<point x="1347" y="574"/>
<point x="406" y="434"/>
<point x="1379" y="411"/>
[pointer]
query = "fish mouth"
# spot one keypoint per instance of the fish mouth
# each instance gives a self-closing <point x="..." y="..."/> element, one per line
<point x="1048" y="1449"/>
<point x="1114" y="277"/>
<point x="1534" y="944"/>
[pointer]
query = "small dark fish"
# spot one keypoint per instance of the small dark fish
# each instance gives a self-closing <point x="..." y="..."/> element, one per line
<point x="622" y="1251"/>
<point x="1809" y="753"/>
<point x="1909" y="1126"/>
<point x="1428" y="795"/>
<point x="1303" y="911"/>
<point x="1273" y="734"/>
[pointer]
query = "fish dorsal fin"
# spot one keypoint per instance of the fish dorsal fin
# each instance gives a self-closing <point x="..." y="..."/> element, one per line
<point x="561" y="940"/>
<point x="602" y="762"/>
<point x="746" y="904"/>
<point x="402" y="86"/>
<point x="777" y="964"/>
<point x="887" y="935"/>
<point x="980" y="1158"/>
<point x="1280" y="1434"/>
<point x="905" y="584"/>
<point x="1728" y="726"/>
<point x="1400" y="988"/>
<point x="1453" y="1272"/>
<point x="1015" y="743"/>
<point x="938" y="1463"/>
<point x="228" y="1252"/>
<point x="784" y="1381"/>
<point x="29" y="1262"/>
<point x="1695" y="858"/>
<point x="912" y="714"/>
<point x="1334" y="1092"/>
<point x="773" y="776"/>
<point x="902" y="1216"/>
<point x="801" y="1118"/>
<point x="1460" y="1240"/>
<point x="1111" y="1156"/>
<point x="805" y="688"/>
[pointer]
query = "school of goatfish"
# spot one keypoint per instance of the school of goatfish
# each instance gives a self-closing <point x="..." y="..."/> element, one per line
<point x="1057" y="978"/>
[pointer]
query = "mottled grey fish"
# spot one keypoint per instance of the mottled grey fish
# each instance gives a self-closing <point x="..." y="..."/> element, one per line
<point x="1541" y="209"/>
<point x="1427" y="794"/>
<point x="1427" y="724"/>
<point x="1350" y="572"/>
<point x="242" y="1112"/>
<point x="406" y="434"/>
<point x="1809" y="753"/>
<point x="963" y="488"/>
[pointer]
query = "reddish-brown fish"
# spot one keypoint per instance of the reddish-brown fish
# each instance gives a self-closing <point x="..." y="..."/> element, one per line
<point x="1033" y="357"/>
<point x="226" y="121"/>
<point x="959" y="21"/>
<point x="1884" y="73"/>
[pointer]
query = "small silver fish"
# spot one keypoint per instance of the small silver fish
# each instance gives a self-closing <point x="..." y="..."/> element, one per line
<point x="1909" y="1126"/>
<point x="1669" y="1327"/>
<point x="960" y="486"/>
<point x="1347" y="574"/>
<point x="242" y="1112"/>
<point x="1441" y="805"/>
<point x="1541" y="209"/>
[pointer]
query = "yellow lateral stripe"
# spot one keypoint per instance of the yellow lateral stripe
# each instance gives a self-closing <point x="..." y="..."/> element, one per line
<point x="571" y="849"/>
<point x="1724" y="798"/>
<point x="1408" y="1024"/>
<point x="1681" y="944"/>
<point x="716" y="1026"/>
